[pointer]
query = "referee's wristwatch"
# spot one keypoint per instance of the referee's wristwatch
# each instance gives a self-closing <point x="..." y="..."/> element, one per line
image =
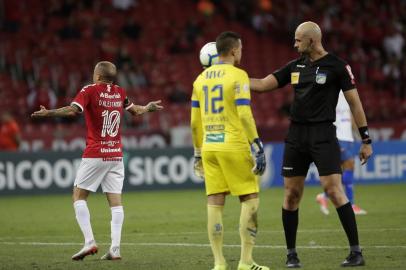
<point x="367" y="141"/>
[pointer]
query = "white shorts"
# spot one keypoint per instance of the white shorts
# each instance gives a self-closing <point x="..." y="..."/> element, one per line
<point x="109" y="172"/>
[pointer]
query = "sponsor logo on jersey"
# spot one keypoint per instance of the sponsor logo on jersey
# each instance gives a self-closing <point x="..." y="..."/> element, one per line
<point x="215" y="138"/>
<point x="110" y="143"/>
<point x="301" y="66"/>
<point x="105" y="95"/>
<point x="114" y="159"/>
<point x="215" y="127"/>
<point x="110" y="150"/>
<point x="321" y="78"/>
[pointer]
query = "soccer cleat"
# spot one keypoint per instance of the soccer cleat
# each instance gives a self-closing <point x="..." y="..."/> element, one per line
<point x="358" y="210"/>
<point x="323" y="202"/>
<point x="353" y="259"/>
<point x="293" y="261"/>
<point x="89" y="248"/>
<point x="112" y="254"/>
<point x="252" y="266"/>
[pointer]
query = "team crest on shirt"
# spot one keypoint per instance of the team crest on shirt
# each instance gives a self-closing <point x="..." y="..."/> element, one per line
<point x="237" y="88"/>
<point x="321" y="78"/>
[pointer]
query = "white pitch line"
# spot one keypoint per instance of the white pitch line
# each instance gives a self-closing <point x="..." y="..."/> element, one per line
<point x="193" y="245"/>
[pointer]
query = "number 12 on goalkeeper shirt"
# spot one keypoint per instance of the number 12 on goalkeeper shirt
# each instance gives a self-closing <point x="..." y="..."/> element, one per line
<point x="215" y="95"/>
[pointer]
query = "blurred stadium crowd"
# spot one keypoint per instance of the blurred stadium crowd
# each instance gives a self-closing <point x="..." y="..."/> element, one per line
<point x="48" y="49"/>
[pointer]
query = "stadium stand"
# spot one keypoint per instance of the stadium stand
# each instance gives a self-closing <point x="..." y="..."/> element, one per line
<point x="48" y="49"/>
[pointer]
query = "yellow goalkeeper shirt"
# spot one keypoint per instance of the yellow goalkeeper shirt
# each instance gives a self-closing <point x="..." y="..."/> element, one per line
<point x="221" y="116"/>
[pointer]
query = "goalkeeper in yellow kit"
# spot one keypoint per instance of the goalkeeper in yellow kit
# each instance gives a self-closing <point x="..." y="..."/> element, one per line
<point x="223" y="130"/>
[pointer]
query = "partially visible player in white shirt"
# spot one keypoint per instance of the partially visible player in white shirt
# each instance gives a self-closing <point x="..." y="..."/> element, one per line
<point x="103" y="104"/>
<point x="345" y="138"/>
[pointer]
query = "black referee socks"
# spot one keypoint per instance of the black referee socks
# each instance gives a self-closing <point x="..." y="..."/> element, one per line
<point x="290" y="221"/>
<point x="349" y="224"/>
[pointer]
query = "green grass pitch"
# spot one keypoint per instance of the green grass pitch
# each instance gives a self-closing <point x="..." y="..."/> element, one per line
<point x="167" y="230"/>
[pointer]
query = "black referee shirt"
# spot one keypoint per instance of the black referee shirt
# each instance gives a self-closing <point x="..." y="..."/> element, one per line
<point x="316" y="85"/>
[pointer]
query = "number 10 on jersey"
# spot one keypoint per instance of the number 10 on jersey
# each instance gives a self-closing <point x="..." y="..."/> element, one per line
<point x="213" y="97"/>
<point x="111" y="123"/>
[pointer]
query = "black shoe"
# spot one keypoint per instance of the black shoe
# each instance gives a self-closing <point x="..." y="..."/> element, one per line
<point x="354" y="259"/>
<point x="293" y="261"/>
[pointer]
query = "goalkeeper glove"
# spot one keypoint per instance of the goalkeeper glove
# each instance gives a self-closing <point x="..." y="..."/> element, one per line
<point x="198" y="164"/>
<point x="260" y="160"/>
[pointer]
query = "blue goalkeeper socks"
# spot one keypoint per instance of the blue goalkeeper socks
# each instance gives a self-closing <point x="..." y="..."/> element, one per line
<point x="348" y="179"/>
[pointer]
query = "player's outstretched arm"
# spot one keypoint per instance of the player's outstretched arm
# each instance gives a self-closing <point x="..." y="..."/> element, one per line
<point x="360" y="119"/>
<point x="67" y="111"/>
<point x="265" y="84"/>
<point x="152" y="106"/>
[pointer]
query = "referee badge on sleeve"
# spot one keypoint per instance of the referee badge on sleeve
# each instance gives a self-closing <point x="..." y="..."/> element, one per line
<point x="294" y="77"/>
<point x="321" y="78"/>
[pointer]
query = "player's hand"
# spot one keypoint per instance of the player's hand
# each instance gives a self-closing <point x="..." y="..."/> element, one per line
<point x="198" y="167"/>
<point x="154" y="106"/>
<point x="43" y="112"/>
<point x="260" y="160"/>
<point x="365" y="152"/>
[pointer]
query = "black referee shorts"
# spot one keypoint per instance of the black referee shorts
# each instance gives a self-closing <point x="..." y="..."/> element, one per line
<point x="307" y="143"/>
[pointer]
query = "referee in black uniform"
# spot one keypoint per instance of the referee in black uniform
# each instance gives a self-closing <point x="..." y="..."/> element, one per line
<point x="317" y="78"/>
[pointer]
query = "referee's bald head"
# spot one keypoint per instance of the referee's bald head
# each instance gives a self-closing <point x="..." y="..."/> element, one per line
<point x="308" y="39"/>
<point x="310" y="30"/>
<point x="104" y="71"/>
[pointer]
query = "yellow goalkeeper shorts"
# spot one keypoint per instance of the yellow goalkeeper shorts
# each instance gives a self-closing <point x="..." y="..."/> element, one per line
<point x="229" y="172"/>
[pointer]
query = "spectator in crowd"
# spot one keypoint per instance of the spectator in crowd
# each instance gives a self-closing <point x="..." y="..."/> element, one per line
<point x="402" y="93"/>
<point x="71" y="30"/>
<point x="13" y="13"/>
<point x="192" y="30"/>
<point x="391" y="70"/>
<point x="42" y="95"/>
<point x="265" y="5"/>
<point x="131" y="28"/>
<point x="140" y="77"/>
<point x="124" y="58"/>
<point x="10" y="137"/>
<point x="126" y="77"/>
<point x="99" y="27"/>
<point x="178" y="94"/>
<point x="38" y="36"/>
<point x="61" y="8"/>
<point x="180" y="43"/>
<point x="262" y="22"/>
<point x="124" y="4"/>
<point x="206" y="8"/>
<point x="394" y="41"/>
<point x="109" y="46"/>
<point x="376" y="76"/>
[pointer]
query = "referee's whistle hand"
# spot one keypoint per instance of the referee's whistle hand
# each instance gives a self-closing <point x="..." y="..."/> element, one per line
<point x="364" y="153"/>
